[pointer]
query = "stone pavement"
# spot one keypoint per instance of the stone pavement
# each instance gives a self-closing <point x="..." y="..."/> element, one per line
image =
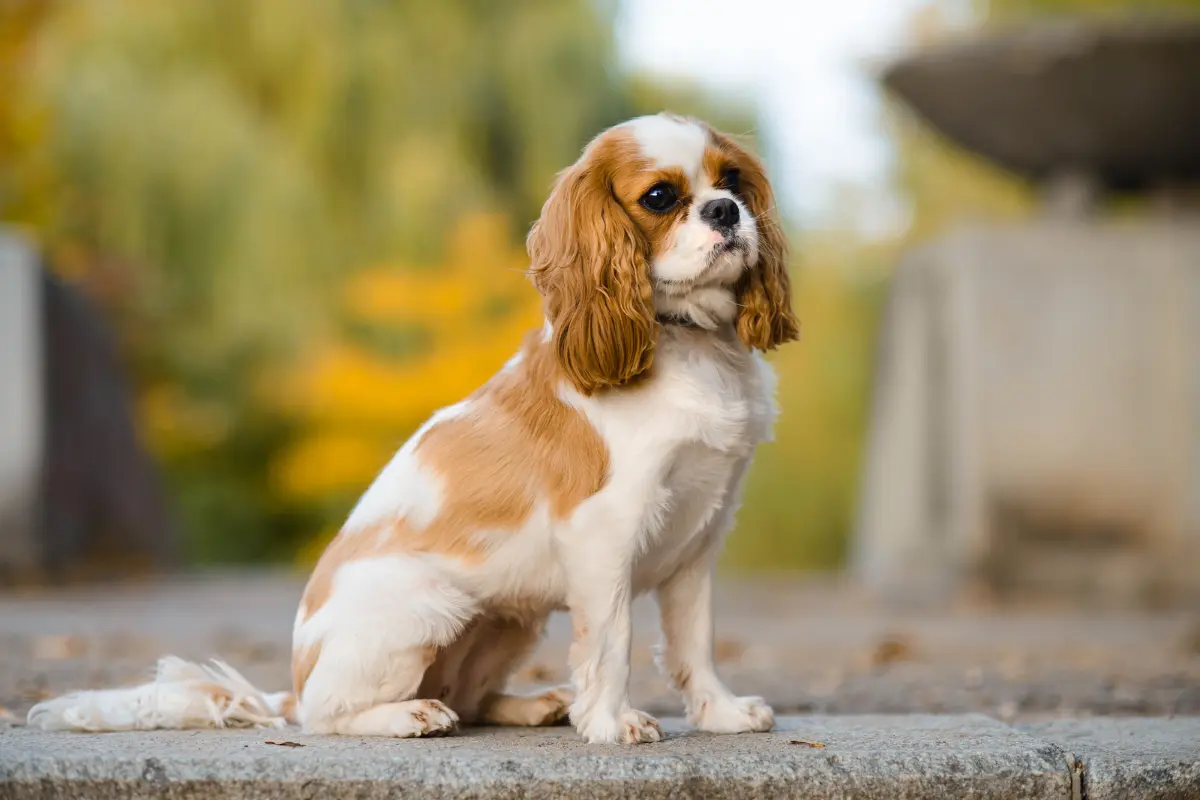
<point x="893" y="757"/>
<point x="1034" y="702"/>
<point x="808" y="646"/>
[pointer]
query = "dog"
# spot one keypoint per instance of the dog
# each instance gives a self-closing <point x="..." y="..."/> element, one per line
<point x="606" y="459"/>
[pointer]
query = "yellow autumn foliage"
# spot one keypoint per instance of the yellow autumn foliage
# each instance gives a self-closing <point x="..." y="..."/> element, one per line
<point x="176" y="424"/>
<point x="328" y="460"/>
<point x="356" y="403"/>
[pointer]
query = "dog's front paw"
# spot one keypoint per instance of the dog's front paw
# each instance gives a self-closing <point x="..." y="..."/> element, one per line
<point x="628" y="727"/>
<point x="734" y="715"/>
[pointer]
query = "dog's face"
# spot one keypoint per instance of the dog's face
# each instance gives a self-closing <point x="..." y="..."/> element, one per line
<point x="686" y="198"/>
<point x="660" y="217"/>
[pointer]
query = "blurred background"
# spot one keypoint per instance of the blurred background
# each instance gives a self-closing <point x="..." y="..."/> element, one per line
<point x="247" y="248"/>
<point x="291" y="229"/>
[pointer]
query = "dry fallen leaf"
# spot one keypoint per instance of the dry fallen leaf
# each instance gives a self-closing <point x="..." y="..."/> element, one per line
<point x="129" y="646"/>
<point x="59" y="648"/>
<point x="285" y="744"/>
<point x="891" y="649"/>
<point x="1191" y="640"/>
<point x="727" y="650"/>
<point x="35" y="690"/>
<point x="814" y="745"/>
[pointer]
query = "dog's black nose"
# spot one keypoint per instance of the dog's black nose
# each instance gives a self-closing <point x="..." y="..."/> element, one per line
<point x="721" y="213"/>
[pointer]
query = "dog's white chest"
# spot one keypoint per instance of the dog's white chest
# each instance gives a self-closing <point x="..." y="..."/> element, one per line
<point x="714" y="407"/>
<point x="678" y="447"/>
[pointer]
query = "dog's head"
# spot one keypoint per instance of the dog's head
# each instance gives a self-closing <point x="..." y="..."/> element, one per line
<point x="661" y="218"/>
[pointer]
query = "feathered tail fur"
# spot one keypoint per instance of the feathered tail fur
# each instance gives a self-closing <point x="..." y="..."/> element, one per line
<point x="182" y="695"/>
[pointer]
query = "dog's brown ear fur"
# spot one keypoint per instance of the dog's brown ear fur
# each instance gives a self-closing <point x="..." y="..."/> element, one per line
<point x="589" y="262"/>
<point x="765" y="318"/>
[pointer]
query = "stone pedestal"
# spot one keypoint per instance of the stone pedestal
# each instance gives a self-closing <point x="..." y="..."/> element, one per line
<point x="1115" y="102"/>
<point x="78" y="496"/>
<point x="21" y="402"/>
<point x="1036" y="421"/>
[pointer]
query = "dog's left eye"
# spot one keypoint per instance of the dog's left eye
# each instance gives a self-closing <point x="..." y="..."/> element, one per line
<point x="731" y="181"/>
<point x="661" y="198"/>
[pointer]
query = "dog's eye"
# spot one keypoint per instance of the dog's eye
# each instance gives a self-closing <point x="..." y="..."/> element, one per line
<point x="661" y="198"/>
<point x="731" y="181"/>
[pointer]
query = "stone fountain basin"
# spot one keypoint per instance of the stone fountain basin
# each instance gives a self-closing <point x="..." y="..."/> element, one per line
<point x="1118" y="102"/>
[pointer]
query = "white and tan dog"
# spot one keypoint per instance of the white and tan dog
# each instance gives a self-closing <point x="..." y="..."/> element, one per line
<point x="606" y="459"/>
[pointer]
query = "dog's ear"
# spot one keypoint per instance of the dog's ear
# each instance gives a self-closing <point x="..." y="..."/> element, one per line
<point x="765" y="318"/>
<point x="589" y="262"/>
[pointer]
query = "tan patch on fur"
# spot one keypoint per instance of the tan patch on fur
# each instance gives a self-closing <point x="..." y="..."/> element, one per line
<point x="590" y="256"/>
<point x="216" y="692"/>
<point x="304" y="660"/>
<point x="288" y="708"/>
<point x="578" y="646"/>
<point x="681" y="679"/>
<point x="589" y="261"/>
<point x="347" y="546"/>
<point x="518" y="444"/>
<point x="764" y="294"/>
<point x="428" y="708"/>
<point x="632" y="179"/>
<point x="717" y="161"/>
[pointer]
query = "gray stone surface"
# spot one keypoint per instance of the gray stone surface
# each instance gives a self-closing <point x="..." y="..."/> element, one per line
<point x="863" y="757"/>
<point x="20" y="403"/>
<point x="810" y="646"/>
<point x="1131" y="758"/>
<point x="1036" y="420"/>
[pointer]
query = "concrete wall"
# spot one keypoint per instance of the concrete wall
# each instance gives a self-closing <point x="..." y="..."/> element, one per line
<point x="79" y="497"/>
<point x="21" y="403"/>
<point x="1036" y="420"/>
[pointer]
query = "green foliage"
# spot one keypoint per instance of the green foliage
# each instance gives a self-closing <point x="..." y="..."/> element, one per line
<point x="214" y="170"/>
<point x="1024" y="10"/>
<point x="251" y="190"/>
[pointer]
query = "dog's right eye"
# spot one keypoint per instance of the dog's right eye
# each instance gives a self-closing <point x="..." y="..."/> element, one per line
<point x="660" y="199"/>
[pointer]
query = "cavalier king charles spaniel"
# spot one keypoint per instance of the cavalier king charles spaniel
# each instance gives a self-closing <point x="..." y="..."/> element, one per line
<point x="605" y="459"/>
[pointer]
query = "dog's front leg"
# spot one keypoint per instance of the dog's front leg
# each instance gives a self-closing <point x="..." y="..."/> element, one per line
<point x="600" y="597"/>
<point x="685" y="601"/>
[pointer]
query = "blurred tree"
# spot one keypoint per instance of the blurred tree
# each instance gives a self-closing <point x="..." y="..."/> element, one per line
<point x="24" y="173"/>
<point x="212" y="171"/>
<point x="414" y="341"/>
<point x="1017" y="10"/>
<point x="305" y="218"/>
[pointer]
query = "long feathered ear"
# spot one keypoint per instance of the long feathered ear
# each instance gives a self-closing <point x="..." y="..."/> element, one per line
<point x="589" y="262"/>
<point x="764" y="294"/>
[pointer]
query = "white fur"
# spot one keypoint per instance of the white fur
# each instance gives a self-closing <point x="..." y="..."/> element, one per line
<point x="669" y="141"/>
<point x="403" y="488"/>
<point x="687" y="281"/>
<point x="179" y="697"/>
<point x="398" y="631"/>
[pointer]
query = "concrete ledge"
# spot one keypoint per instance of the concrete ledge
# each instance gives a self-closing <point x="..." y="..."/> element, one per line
<point x="893" y="757"/>
<point x="1122" y="758"/>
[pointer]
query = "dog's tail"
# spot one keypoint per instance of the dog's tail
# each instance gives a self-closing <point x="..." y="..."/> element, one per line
<point x="182" y="695"/>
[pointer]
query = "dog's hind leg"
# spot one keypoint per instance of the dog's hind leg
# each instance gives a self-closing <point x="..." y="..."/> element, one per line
<point x="360" y="660"/>
<point x="472" y="674"/>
